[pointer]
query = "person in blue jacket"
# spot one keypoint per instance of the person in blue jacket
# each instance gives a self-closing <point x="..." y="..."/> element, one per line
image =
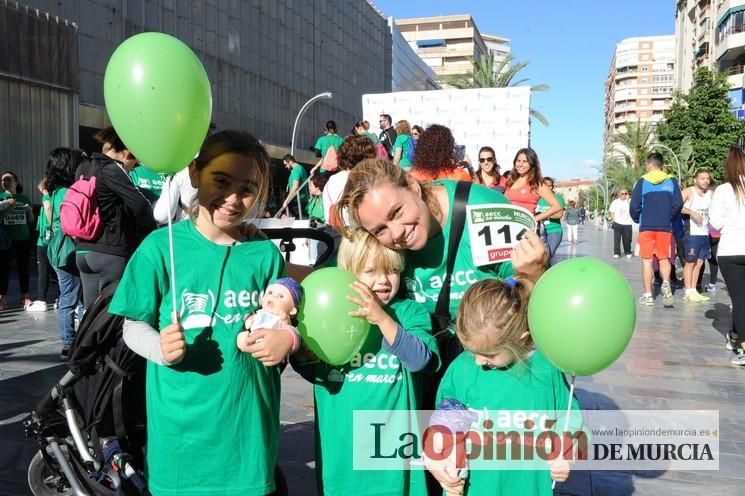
<point x="655" y="202"/>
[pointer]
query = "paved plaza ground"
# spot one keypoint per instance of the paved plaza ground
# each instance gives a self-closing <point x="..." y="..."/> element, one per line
<point x="676" y="360"/>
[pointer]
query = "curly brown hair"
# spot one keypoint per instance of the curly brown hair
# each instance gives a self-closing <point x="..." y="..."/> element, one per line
<point x="354" y="149"/>
<point x="435" y="152"/>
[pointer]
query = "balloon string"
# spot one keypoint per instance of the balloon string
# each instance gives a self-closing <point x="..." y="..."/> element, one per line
<point x="566" y="419"/>
<point x="169" y="185"/>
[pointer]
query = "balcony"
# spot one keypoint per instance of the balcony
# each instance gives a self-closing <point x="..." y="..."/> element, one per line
<point x="735" y="76"/>
<point x="732" y="46"/>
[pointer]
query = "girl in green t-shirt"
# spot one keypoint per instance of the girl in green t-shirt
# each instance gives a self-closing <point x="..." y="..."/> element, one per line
<point x="17" y="225"/>
<point x="386" y="374"/>
<point x="500" y="371"/>
<point x="212" y="410"/>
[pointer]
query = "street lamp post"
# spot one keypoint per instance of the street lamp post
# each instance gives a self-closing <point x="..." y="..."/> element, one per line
<point x="321" y="96"/>
<point x="677" y="162"/>
<point x="326" y="95"/>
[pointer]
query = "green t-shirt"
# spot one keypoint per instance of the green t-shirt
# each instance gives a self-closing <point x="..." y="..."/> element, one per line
<point x="531" y="385"/>
<point x="403" y="142"/>
<point x="373" y="380"/>
<point x="550" y="225"/>
<point x="42" y="224"/>
<point x="148" y="182"/>
<point x="16" y="222"/>
<point x="299" y="174"/>
<point x="315" y="208"/>
<point x="372" y="137"/>
<point x="326" y="141"/>
<point x="425" y="269"/>
<point x="56" y="198"/>
<point x="213" y="419"/>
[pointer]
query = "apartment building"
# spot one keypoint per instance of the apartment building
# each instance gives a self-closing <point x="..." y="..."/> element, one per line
<point x="694" y="40"/>
<point x="449" y="43"/>
<point x="639" y="86"/>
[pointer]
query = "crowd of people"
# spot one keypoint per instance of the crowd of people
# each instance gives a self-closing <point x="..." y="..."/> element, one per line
<point x="444" y="329"/>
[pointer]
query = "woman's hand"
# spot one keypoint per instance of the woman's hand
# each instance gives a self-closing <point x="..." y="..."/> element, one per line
<point x="172" y="341"/>
<point x="269" y="346"/>
<point x="530" y="257"/>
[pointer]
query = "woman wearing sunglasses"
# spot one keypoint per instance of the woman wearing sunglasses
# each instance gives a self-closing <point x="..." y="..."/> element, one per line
<point x="488" y="172"/>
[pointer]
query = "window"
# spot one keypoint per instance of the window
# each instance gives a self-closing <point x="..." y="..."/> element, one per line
<point x="645" y="68"/>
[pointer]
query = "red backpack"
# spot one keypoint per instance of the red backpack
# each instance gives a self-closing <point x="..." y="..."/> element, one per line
<point x="79" y="214"/>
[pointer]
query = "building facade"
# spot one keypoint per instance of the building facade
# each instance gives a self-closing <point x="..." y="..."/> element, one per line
<point x="729" y="50"/>
<point x="448" y="43"/>
<point x="408" y="71"/>
<point x="694" y="39"/>
<point x="639" y="86"/>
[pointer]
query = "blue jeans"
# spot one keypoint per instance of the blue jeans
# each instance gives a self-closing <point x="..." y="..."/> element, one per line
<point x="553" y="240"/>
<point x="70" y="298"/>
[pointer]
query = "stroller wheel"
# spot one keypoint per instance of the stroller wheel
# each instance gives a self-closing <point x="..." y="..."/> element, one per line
<point x="44" y="482"/>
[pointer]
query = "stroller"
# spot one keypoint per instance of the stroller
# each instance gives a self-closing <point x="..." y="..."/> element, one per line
<point x="91" y="426"/>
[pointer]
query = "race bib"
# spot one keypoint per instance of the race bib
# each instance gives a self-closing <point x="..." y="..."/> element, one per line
<point x="15" y="218"/>
<point x="495" y="229"/>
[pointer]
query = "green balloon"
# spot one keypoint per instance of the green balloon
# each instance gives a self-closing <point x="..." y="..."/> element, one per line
<point x="323" y="319"/>
<point x="159" y="100"/>
<point x="582" y="315"/>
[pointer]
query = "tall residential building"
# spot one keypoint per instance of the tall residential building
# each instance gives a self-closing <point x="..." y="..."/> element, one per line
<point x="694" y="39"/>
<point x="449" y="43"/>
<point x="729" y="50"/>
<point x="640" y="83"/>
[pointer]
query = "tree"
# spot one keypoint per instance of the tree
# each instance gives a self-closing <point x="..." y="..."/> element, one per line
<point x="703" y="116"/>
<point x="484" y="74"/>
<point x="635" y="143"/>
<point x="620" y="175"/>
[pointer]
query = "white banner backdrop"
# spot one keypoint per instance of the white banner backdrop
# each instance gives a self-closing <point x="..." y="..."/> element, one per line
<point x="496" y="117"/>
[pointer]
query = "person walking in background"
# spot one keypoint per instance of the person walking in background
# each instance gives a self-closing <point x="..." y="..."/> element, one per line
<point x="551" y="229"/>
<point x="297" y="180"/>
<point x="727" y="214"/>
<point x="403" y="148"/>
<point x="655" y="202"/>
<point x="17" y="226"/>
<point x="697" y="248"/>
<point x="571" y="215"/>
<point x="180" y="196"/>
<point x="61" y="167"/>
<point x="362" y="128"/>
<point x="387" y="134"/>
<point x="43" y="269"/>
<point x="326" y="148"/>
<point x="125" y="213"/>
<point x="622" y="223"/>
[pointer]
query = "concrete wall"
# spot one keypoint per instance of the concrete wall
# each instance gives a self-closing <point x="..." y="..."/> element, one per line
<point x="409" y="72"/>
<point x="264" y="58"/>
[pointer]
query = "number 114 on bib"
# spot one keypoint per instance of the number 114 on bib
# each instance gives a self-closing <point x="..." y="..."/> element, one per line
<point x="495" y="230"/>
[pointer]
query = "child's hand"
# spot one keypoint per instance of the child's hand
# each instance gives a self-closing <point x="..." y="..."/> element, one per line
<point x="559" y="469"/>
<point x="172" y="342"/>
<point x="269" y="346"/>
<point x="369" y="304"/>
<point x="241" y="341"/>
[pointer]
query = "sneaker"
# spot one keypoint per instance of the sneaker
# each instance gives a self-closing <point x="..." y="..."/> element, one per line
<point x="667" y="294"/>
<point x="739" y="358"/>
<point x="711" y="288"/>
<point x="65" y="354"/>
<point x="628" y="255"/>
<point x="646" y="300"/>
<point x="616" y="256"/>
<point x="56" y="303"/>
<point x="26" y="302"/>
<point x="695" y="297"/>
<point x="3" y="305"/>
<point x="37" y="306"/>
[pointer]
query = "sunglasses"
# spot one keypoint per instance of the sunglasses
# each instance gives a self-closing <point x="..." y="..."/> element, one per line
<point x="487" y="159"/>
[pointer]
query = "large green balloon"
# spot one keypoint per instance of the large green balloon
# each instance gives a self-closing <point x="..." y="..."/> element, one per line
<point x="159" y="100"/>
<point x="582" y="315"/>
<point x="323" y="319"/>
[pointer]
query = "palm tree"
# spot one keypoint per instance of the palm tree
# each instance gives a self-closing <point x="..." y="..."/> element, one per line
<point x="635" y="143"/>
<point x="486" y="75"/>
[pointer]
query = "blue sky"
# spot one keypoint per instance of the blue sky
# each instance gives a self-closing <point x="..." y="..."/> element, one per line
<point x="569" y="44"/>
